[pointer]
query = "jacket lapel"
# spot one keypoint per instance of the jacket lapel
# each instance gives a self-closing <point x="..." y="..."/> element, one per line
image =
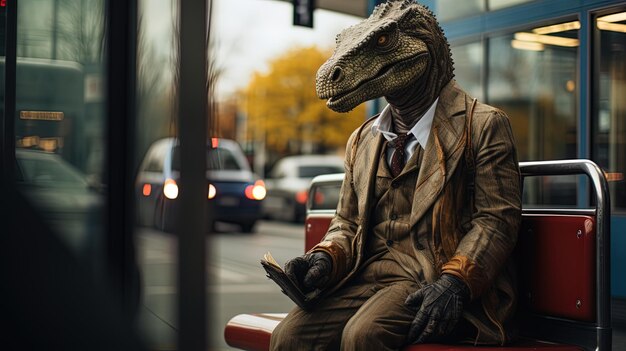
<point x="447" y="130"/>
<point x="365" y="168"/>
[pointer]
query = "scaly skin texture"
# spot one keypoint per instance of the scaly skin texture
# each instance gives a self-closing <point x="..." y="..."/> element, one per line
<point x="399" y="52"/>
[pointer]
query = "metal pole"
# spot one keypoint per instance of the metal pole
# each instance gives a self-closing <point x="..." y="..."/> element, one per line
<point x="192" y="126"/>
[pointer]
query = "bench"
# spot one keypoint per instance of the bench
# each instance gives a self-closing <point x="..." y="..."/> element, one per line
<point x="563" y="255"/>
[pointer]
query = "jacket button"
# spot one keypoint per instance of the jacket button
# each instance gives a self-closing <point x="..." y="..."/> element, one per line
<point x="419" y="246"/>
<point x="394" y="216"/>
<point x="395" y="185"/>
<point x="389" y="242"/>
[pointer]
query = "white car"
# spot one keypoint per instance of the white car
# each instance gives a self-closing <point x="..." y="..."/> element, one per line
<point x="288" y="184"/>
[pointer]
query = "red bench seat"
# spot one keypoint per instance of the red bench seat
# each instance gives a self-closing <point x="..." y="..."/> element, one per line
<point x="253" y="331"/>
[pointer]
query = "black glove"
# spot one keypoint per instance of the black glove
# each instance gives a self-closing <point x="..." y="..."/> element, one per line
<point x="439" y="307"/>
<point x="311" y="270"/>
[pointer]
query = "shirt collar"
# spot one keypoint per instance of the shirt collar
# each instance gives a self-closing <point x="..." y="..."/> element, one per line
<point x="421" y="129"/>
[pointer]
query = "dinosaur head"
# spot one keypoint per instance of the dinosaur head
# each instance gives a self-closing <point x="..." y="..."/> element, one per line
<point x="399" y="48"/>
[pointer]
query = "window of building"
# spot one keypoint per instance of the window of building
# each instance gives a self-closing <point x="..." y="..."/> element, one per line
<point x="532" y="77"/>
<point x="453" y="9"/>
<point x="609" y="115"/>
<point x="500" y="4"/>
<point x="468" y="67"/>
<point x="60" y="118"/>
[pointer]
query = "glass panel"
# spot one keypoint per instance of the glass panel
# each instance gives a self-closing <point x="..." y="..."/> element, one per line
<point x="156" y="188"/>
<point x="546" y="192"/>
<point x="468" y="64"/>
<point x="326" y="197"/>
<point x="314" y="171"/>
<point x="532" y="77"/>
<point x="609" y="120"/>
<point x="500" y="4"/>
<point x="453" y="9"/>
<point x="60" y="119"/>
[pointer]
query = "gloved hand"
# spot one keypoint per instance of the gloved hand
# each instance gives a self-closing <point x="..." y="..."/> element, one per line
<point x="439" y="307"/>
<point x="311" y="270"/>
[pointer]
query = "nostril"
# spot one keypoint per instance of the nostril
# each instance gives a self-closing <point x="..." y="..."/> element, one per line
<point x="337" y="74"/>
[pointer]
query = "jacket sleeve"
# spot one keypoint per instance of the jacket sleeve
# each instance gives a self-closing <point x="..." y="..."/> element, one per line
<point x="339" y="239"/>
<point x="485" y="248"/>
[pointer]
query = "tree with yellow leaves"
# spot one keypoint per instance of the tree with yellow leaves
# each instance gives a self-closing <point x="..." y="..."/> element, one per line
<point x="284" y="111"/>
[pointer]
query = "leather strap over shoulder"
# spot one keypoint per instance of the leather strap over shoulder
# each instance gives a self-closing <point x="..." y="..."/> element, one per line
<point x="470" y="162"/>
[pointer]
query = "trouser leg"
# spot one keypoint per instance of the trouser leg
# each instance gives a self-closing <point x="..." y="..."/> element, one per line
<point x="320" y="328"/>
<point x="382" y="323"/>
<point x="359" y="317"/>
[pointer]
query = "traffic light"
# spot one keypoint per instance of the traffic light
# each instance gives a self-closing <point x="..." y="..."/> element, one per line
<point x="303" y="12"/>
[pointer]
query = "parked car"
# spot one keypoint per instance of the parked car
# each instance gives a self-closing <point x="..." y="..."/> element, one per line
<point x="288" y="184"/>
<point x="65" y="196"/>
<point x="235" y="190"/>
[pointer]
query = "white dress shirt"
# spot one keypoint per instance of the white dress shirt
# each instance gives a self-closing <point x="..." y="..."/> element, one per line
<point x="420" y="131"/>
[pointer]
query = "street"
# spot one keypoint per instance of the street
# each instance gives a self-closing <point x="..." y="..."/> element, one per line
<point x="237" y="283"/>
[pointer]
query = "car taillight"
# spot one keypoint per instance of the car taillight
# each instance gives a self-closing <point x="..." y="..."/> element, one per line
<point x="302" y="196"/>
<point x="256" y="191"/>
<point x="147" y="190"/>
<point x="212" y="191"/>
<point x="170" y="189"/>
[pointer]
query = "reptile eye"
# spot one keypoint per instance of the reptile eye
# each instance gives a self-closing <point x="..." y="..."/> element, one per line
<point x="382" y="40"/>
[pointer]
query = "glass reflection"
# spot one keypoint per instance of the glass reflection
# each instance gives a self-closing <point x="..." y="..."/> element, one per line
<point x="157" y="247"/>
<point x="533" y="78"/>
<point x="609" y="129"/>
<point x="59" y="125"/>
<point x="453" y="9"/>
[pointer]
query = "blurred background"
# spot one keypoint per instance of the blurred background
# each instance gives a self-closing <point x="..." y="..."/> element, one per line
<point x="94" y="121"/>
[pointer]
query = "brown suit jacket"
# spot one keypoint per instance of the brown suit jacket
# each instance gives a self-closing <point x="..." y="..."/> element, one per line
<point x="486" y="233"/>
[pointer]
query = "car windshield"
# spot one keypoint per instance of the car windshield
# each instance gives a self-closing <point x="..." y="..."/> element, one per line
<point x="314" y="171"/>
<point x="217" y="159"/>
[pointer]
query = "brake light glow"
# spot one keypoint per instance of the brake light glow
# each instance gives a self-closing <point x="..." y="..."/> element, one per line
<point x="170" y="189"/>
<point x="214" y="142"/>
<point x="212" y="191"/>
<point x="147" y="190"/>
<point x="302" y="196"/>
<point x="256" y="191"/>
<point x="318" y="198"/>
